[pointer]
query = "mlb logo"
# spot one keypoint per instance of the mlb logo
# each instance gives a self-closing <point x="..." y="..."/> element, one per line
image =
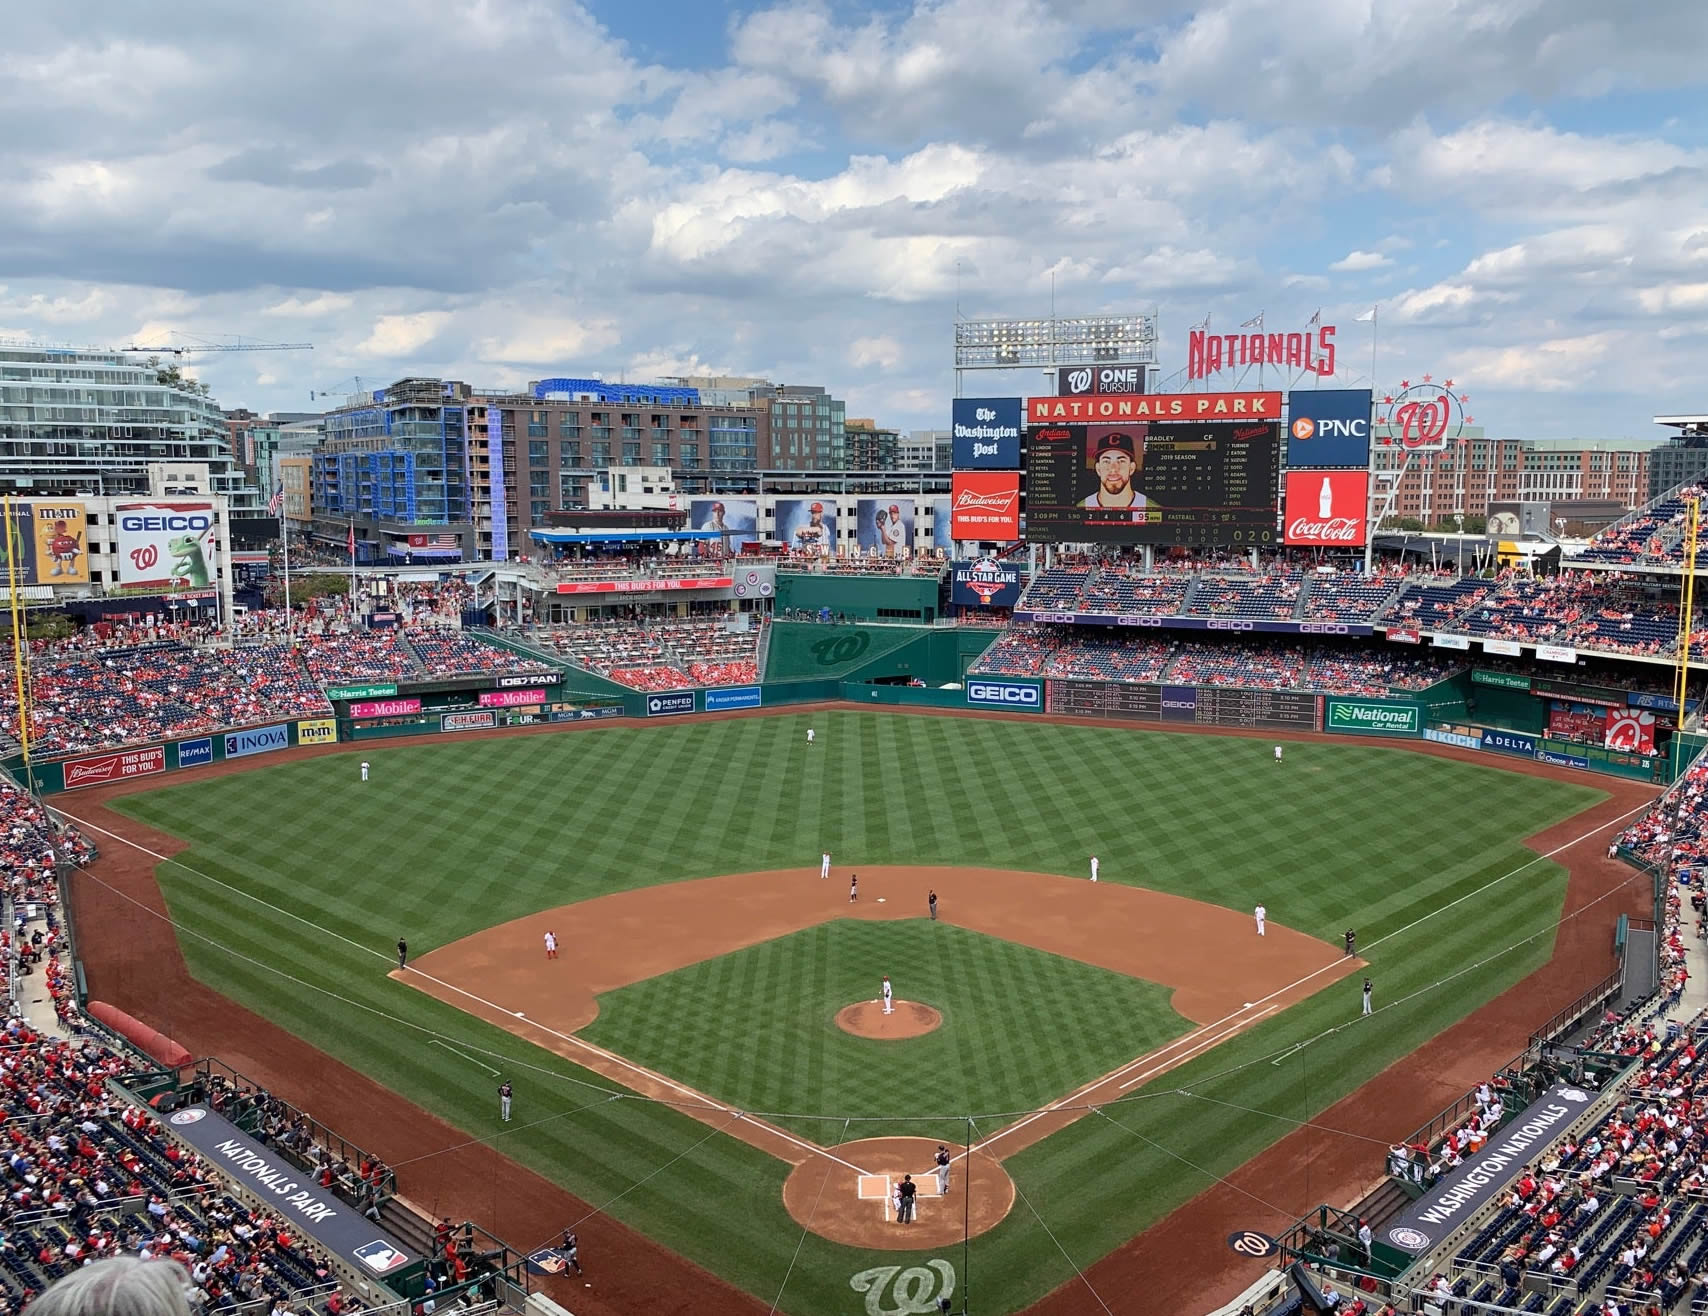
<point x="380" y="1256"/>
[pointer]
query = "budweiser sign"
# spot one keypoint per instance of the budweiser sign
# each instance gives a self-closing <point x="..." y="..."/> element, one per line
<point x="985" y="505"/>
<point x="1208" y="354"/>
<point x="1327" y="508"/>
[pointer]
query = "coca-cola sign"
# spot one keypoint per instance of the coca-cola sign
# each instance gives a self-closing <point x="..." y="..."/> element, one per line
<point x="1329" y="509"/>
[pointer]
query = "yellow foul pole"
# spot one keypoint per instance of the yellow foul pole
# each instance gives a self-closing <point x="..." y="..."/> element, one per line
<point x="18" y="660"/>
<point x="1686" y="610"/>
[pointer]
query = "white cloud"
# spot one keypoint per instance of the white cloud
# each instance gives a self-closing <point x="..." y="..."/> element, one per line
<point x="402" y="335"/>
<point x="1354" y="261"/>
<point x="883" y="352"/>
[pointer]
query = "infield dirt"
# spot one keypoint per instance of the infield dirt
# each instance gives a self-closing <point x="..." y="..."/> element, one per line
<point x="1180" y="1264"/>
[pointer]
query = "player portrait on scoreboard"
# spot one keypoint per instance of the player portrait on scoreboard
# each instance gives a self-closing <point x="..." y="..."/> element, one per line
<point x="1115" y="455"/>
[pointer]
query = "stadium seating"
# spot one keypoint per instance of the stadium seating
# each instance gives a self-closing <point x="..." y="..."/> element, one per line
<point x="1653" y="536"/>
<point x="1273" y="597"/>
<point x="449" y="653"/>
<point x="1060" y="589"/>
<point x="1347" y="598"/>
<point x="676" y="653"/>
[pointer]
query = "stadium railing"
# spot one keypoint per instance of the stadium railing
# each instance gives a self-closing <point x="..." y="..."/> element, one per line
<point x="1591" y="1002"/>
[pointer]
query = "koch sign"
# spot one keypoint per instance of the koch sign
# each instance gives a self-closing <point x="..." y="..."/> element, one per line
<point x="262" y="1173"/>
<point x="1005" y="694"/>
<point x="1328" y="428"/>
<point x="986" y="434"/>
<point x="1457" y="1197"/>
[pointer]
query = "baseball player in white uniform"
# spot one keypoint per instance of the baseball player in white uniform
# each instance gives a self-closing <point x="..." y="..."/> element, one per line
<point x="1093" y="868"/>
<point x="1278" y="753"/>
<point x="1262" y="916"/>
<point x="889" y="1007"/>
<point x="809" y="735"/>
<point x="364" y="769"/>
<point x="824" y="866"/>
<point x="551" y="945"/>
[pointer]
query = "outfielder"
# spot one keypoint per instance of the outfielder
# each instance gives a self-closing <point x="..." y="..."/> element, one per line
<point x="1278" y="753"/>
<point x="1093" y="868"/>
<point x="364" y="769"/>
<point x="809" y="735"/>
<point x="1262" y="916"/>
<point x="889" y="1006"/>
<point x="824" y="866"/>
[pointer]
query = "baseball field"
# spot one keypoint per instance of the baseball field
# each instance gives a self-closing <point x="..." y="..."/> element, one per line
<point x="1105" y="1052"/>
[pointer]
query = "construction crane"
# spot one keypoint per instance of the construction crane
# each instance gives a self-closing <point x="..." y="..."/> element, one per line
<point x="184" y="349"/>
<point x="345" y="388"/>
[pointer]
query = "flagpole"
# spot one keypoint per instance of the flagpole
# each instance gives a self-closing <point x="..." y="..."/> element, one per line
<point x="1375" y="319"/>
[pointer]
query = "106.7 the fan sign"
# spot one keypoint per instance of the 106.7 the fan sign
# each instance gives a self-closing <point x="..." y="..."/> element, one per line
<point x="1327" y="509"/>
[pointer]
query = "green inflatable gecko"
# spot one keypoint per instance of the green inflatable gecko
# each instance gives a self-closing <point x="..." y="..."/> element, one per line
<point x="188" y="564"/>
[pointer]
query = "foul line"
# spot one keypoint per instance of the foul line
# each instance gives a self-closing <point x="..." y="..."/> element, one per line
<point x="433" y="1041"/>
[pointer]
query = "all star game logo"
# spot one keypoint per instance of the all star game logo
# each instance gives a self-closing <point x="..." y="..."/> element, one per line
<point x="990" y="582"/>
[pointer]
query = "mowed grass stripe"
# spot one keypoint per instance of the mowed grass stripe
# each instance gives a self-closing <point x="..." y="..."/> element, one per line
<point x="450" y="838"/>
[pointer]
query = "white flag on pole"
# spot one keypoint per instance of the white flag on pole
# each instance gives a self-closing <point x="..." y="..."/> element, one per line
<point x="1368" y="315"/>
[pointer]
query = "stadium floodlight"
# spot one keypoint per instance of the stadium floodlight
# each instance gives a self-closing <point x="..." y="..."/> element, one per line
<point x="1081" y="340"/>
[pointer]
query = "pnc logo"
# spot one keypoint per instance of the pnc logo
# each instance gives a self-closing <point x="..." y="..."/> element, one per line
<point x="1304" y="428"/>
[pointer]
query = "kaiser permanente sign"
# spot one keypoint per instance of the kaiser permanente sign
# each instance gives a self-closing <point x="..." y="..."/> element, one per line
<point x="1456" y="1198"/>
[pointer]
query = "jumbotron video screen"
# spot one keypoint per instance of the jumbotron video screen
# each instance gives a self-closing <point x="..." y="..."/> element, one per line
<point x="1149" y="482"/>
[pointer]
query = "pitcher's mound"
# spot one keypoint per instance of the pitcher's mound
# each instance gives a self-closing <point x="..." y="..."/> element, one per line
<point x="867" y="1019"/>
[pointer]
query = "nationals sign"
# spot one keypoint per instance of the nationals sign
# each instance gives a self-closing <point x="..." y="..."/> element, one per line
<point x="1154" y="406"/>
<point x="985" y="505"/>
<point x="1330" y="509"/>
<point x="1207" y="353"/>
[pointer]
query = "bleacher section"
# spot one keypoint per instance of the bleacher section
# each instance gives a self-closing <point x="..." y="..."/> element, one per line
<point x="1653" y="536"/>
<point x="1262" y="598"/>
<point x="668" y="654"/>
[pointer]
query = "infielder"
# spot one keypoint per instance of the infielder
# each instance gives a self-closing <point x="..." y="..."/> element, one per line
<point x="1262" y="916"/>
<point x="853" y="888"/>
<point x="824" y="866"/>
<point x="1368" y="988"/>
<point x="504" y="1099"/>
<point x="551" y="945"/>
<point x="889" y="1006"/>
<point x="942" y="1159"/>
<point x="402" y="952"/>
<point x="364" y="769"/>
<point x="1093" y="868"/>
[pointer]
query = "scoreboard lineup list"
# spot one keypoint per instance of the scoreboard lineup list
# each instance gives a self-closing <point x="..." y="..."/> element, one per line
<point x="1213" y="483"/>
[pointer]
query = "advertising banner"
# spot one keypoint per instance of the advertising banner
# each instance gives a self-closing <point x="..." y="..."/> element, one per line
<point x="1077" y="381"/>
<point x="736" y="519"/>
<point x="257" y="740"/>
<point x="1458" y="738"/>
<point x="166" y="545"/>
<point x="1505" y="648"/>
<point x="1404" y="635"/>
<point x="642" y="586"/>
<point x="596" y="713"/>
<point x="1211" y="353"/>
<point x="1179" y="703"/>
<point x="807" y="525"/>
<point x="529" y="717"/>
<point x="1509" y="742"/>
<point x="745" y="696"/>
<point x="984" y="505"/>
<point x="317" y="731"/>
<point x="1329" y="427"/>
<point x="1631" y="730"/>
<point x="1459" y="1194"/>
<point x="883" y="527"/>
<point x="473" y="720"/>
<point x="1585" y="722"/>
<point x="1327" y="508"/>
<point x="52" y="543"/>
<point x="1505" y="680"/>
<point x="1660" y="703"/>
<point x="381" y="690"/>
<point x="1238" y="625"/>
<point x="385" y="707"/>
<point x="670" y="703"/>
<point x="986" y="434"/>
<point x="1153" y="406"/>
<point x="1561" y="759"/>
<point x="985" y="583"/>
<point x="1027" y="695"/>
<point x="1363" y="717"/>
<point x="510" y="698"/>
<point x="518" y="682"/>
<point x="1553" y="653"/>
<point x="194" y="753"/>
<point x="1450" y="642"/>
<point x="99" y="769"/>
<point x="289" y="1193"/>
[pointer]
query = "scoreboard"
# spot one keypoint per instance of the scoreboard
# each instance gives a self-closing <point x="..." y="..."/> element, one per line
<point x="1278" y="710"/>
<point x="1154" y="482"/>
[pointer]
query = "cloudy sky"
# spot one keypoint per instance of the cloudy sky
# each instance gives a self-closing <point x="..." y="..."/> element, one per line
<point x="498" y="190"/>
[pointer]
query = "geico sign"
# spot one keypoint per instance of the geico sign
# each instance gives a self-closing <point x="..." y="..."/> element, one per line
<point x="180" y="521"/>
<point x="1002" y="694"/>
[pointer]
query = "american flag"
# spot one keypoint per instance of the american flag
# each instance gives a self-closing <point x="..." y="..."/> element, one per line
<point x="277" y="501"/>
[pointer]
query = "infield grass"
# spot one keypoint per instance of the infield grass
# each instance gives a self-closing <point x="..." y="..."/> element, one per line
<point x="449" y="838"/>
<point x="756" y="1028"/>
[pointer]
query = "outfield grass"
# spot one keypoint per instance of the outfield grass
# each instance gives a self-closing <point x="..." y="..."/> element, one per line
<point x="453" y="837"/>
<point x="756" y="1028"/>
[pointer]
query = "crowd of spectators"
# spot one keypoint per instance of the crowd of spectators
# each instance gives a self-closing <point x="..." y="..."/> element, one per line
<point x="1114" y="655"/>
<point x="1671" y="833"/>
<point x="1654" y="535"/>
<point x="658" y="653"/>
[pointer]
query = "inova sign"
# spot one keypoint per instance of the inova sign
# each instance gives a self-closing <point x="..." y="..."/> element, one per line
<point x="1359" y="717"/>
